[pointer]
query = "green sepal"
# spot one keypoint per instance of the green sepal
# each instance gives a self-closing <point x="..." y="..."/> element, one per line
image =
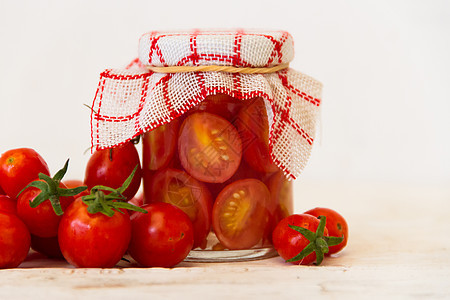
<point x="321" y="249"/>
<point x="51" y="191"/>
<point x="321" y="228"/>
<point x="129" y="206"/>
<point x="60" y="174"/>
<point x="308" y="234"/>
<point x="71" y="192"/>
<point x="93" y="207"/>
<point x="88" y="198"/>
<point x="107" y="210"/>
<point x="304" y="253"/>
<point x="37" y="184"/>
<point x="322" y="245"/>
<point x="333" y="240"/>
<point x="54" y="200"/>
<point x="318" y="243"/>
<point x="127" y="182"/>
<point x="103" y="188"/>
<point x="319" y="256"/>
<point x="99" y="205"/>
<point x="107" y="204"/>
<point x="52" y="185"/>
<point x="39" y="199"/>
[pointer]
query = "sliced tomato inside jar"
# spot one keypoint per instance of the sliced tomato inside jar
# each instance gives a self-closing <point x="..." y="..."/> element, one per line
<point x="253" y="127"/>
<point x="178" y="188"/>
<point x="240" y="215"/>
<point x="159" y="145"/>
<point x="209" y="147"/>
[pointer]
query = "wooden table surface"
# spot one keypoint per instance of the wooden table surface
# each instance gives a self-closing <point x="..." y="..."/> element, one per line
<point x="398" y="248"/>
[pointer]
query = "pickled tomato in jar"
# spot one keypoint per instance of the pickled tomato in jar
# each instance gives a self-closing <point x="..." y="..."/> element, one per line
<point x="214" y="163"/>
<point x="226" y="125"/>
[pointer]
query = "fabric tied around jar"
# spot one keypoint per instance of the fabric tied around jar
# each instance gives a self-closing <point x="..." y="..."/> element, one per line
<point x="136" y="99"/>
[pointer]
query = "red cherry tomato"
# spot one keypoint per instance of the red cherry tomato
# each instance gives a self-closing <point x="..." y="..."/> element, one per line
<point x="110" y="167"/>
<point x="209" y="147"/>
<point x="93" y="240"/>
<point x="281" y="200"/>
<point x="253" y="127"/>
<point x="74" y="183"/>
<point x="14" y="241"/>
<point x="41" y="220"/>
<point x="289" y="242"/>
<point x="336" y="225"/>
<point x="8" y="205"/>
<point x="159" y="145"/>
<point x="18" y="167"/>
<point x="221" y="104"/>
<point x="2" y="192"/>
<point x="191" y="196"/>
<point x="46" y="246"/>
<point x="161" y="238"/>
<point x="240" y="214"/>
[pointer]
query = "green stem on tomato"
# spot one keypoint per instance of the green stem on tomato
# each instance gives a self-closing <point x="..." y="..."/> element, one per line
<point x="107" y="204"/>
<point x="51" y="191"/>
<point x="318" y="243"/>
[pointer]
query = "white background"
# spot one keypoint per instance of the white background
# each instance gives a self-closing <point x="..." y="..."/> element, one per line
<point x="384" y="65"/>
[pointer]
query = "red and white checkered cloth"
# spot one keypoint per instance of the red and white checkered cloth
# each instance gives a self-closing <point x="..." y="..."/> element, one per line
<point x="134" y="100"/>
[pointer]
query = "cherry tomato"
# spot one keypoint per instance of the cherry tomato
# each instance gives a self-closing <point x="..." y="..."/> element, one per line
<point x="93" y="240"/>
<point x="336" y="225"/>
<point x="161" y="238"/>
<point x="110" y="167"/>
<point x="191" y="196"/>
<point x="2" y="192"/>
<point x="289" y="242"/>
<point x="46" y="246"/>
<point x="159" y="145"/>
<point x="18" y="167"/>
<point x="240" y="214"/>
<point x="253" y="127"/>
<point x="220" y="104"/>
<point x="8" y="205"/>
<point x="41" y="220"/>
<point x="73" y="183"/>
<point x="209" y="147"/>
<point x="281" y="200"/>
<point x="14" y="241"/>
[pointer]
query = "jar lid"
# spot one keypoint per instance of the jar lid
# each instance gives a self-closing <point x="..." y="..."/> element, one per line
<point x="239" y="48"/>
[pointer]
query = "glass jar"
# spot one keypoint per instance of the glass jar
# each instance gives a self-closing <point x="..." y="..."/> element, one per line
<point x="225" y="122"/>
<point x="214" y="164"/>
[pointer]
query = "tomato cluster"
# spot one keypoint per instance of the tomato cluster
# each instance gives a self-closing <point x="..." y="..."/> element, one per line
<point x="214" y="163"/>
<point x="308" y="237"/>
<point x="17" y="168"/>
<point x="208" y="182"/>
<point x="86" y="227"/>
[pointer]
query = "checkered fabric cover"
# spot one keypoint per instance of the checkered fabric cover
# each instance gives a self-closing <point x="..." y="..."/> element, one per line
<point x="134" y="100"/>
